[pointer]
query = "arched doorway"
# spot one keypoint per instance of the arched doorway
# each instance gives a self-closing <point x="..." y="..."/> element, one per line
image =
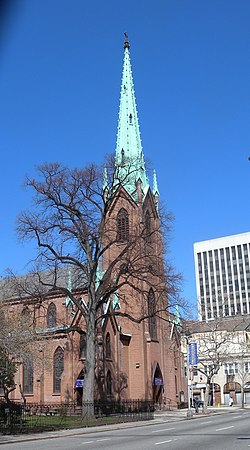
<point x="79" y="383"/>
<point x="232" y="389"/>
<point x="157" y="388"/>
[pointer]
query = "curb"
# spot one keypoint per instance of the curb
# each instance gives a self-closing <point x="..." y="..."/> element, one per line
<point x="91" y="430"/>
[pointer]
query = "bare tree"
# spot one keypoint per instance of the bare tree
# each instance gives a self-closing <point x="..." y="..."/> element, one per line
<point x="17" y="340"/>
<point x="74" y="223"/>
<point x="240" y="357"/>
<point x="215" y="346"/>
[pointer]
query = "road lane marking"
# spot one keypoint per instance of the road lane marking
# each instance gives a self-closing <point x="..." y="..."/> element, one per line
<point x="225" y="428"/>
<point x="163" y="442"/>
<point x="203" y="423"/>
<point x="165" y="429"/>
<point x="105" y="439"/>
<point x="87" y="442"/>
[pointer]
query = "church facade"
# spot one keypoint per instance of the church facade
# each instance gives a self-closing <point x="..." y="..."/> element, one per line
<point x="135" y="359"/>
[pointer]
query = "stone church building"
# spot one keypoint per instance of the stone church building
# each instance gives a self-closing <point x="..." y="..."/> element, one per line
<point x="134" y="359"/>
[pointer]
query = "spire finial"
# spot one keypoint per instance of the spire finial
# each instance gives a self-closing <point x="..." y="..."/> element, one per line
<point x="155" y="184"/>
<point x="126" y="42"/>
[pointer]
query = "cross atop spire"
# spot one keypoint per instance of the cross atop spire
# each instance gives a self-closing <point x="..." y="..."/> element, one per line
<point x="126" y="41"/>
<point x="130" y="166"/>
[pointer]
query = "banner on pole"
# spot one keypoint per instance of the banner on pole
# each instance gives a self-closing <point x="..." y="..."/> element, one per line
<point x="193" y="354"/>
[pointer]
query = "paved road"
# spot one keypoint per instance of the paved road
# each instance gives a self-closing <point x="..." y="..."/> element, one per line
<point x="215" y="432"/>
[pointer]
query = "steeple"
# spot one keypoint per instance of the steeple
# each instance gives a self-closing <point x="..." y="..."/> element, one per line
<point x="130" y="166"/>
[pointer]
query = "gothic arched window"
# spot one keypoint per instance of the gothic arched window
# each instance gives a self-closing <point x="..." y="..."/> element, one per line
<point x="58" y="368"/>
<point x="51" y="315"/>
<point x="28" y="374"/>
<point x="26" y="312"/>
<point x="147" y="227"/>
<point x="122" y="225"/>
<point x="82" y="351"/>
<point x="109" y="383"/>
<point x="152" y="319"/>
<point x="108" y="346"/>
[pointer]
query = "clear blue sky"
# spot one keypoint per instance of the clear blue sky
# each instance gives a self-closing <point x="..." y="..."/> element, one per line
<point x="60" y="74"/>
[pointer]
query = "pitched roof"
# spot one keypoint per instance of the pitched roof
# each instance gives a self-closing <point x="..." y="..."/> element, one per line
<point x="41" y="283"/>
<point x="238" y="323"/>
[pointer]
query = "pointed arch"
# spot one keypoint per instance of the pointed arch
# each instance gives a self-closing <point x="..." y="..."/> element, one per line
<point x="58" y="368"/>
<point x="152" y="319"/>
<point x="51" y="315"/>
<point x="122" y="225"/>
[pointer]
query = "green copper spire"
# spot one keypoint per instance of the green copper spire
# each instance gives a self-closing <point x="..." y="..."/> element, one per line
<point x="105" y="179"/>
<point x="155" y="184"/>
<point x="130" y="166"/>
<point x="68" y="300"/>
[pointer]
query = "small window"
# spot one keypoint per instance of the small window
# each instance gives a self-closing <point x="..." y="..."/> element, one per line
<point x="109" y="383"/>
<point x="82" y="350"/>
<point x="51" y="315"/>
<point x="28" y="374"/>
<point x="26" y="313"/>
<point x="108" y="346"/>
<point x="122" y="225"/>
<point x="58" y="368"/>
<point x="147" y="227"/>
<point x="152" y="319"/>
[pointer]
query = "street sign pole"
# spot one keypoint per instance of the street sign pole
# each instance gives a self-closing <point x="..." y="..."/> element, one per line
<point x="189" y="411"/>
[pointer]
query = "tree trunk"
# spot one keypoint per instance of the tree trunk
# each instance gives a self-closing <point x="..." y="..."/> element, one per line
<point x="89" y="379"/>
<point x="207" y="390"/>
<point x="242" y="397"/>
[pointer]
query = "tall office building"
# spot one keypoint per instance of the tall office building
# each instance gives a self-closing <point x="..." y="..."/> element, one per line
<point x="223" y="276"/>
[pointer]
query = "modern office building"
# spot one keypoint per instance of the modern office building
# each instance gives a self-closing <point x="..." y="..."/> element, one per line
<point x="223" y="276"/>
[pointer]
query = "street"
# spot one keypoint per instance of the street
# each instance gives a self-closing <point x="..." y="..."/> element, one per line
<point x="219" y="432"/>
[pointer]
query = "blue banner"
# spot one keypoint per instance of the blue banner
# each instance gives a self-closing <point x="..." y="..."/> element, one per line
<point x="193" y="354"/>
<point x="79" y="383"/>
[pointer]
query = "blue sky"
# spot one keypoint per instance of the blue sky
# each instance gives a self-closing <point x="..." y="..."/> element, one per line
<point x="60" y="74"/>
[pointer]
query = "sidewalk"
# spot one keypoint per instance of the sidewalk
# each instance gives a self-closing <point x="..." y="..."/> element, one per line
<point x="181" y="414"/>
<point x="159" y="417"/>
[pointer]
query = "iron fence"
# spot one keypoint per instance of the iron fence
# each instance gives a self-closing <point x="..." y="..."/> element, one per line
<point x="17" y="417"/>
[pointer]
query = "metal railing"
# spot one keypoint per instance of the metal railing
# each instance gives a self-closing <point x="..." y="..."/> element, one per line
<point x="16" y="417"/>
